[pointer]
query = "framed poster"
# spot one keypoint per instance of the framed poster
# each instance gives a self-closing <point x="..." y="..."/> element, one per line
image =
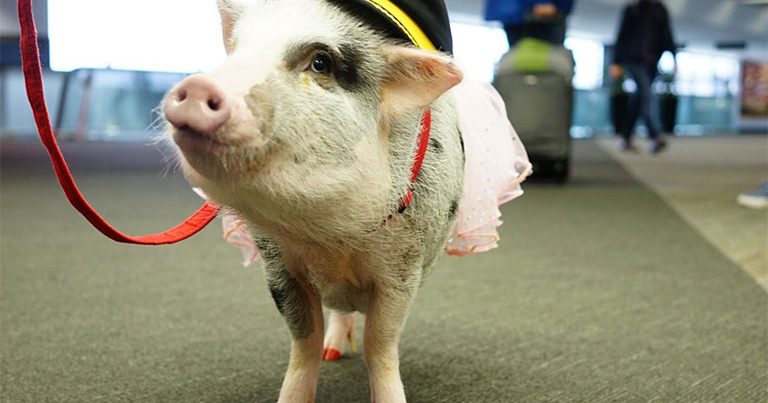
<point x="754" y="90"/>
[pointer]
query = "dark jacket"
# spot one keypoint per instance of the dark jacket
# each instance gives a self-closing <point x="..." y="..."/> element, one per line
<point x="644" y="34"/>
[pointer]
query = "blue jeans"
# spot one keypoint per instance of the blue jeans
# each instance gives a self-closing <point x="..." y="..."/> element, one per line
<point x="640" y="101"/>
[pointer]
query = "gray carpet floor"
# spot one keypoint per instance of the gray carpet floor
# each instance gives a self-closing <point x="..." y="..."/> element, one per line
<point x="700" y="178"/>
<point x="599" y="293"/>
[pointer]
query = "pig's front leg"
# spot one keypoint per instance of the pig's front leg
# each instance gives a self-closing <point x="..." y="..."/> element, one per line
<point x="300" y="382"/>
<point x="384" y="321"/>
<point x="300" y="305"/>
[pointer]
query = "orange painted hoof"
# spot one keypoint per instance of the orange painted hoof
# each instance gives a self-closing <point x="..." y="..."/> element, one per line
<point x="331" y="354"/>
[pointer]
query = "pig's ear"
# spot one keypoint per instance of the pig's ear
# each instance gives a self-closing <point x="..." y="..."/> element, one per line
<point x="416" y="78"/>
<point x="230" y="11"/>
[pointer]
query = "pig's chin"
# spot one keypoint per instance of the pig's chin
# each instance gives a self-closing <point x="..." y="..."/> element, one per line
<point x="202" y="156"/>
<point x="193" y="143"/>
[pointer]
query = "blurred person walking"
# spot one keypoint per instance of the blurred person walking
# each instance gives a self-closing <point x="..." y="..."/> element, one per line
<point x="542" y="19"/>
<point x="644" y="35"/>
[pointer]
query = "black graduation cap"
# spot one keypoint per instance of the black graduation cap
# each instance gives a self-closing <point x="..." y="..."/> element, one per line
<point x="421" y="22"/>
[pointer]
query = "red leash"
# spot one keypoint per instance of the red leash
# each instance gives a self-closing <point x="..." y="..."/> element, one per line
<point x="34" y="81"/>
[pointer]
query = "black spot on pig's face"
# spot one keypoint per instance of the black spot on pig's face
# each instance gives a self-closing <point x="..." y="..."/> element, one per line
<point x="348" y="73"/>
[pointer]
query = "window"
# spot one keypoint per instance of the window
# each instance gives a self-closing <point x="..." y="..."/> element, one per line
<point x="477" y="48"/>
<point x="168" y="35"/>
<point x="588" y="55"/>
<point x="706" y="75"/>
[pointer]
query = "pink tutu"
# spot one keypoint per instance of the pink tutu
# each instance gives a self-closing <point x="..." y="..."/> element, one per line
<point x="496" y="164"/>
<point x="236" y="232"/>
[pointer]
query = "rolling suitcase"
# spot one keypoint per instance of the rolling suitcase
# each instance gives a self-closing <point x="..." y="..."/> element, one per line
<point x="534" y="79"/>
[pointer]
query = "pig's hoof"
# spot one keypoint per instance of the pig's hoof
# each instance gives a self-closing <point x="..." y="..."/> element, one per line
<point x="331" y="354"/>
<point x="341" y="330"/>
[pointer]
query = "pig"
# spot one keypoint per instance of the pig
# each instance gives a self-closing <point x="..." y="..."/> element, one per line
<point x="308" y="134"/>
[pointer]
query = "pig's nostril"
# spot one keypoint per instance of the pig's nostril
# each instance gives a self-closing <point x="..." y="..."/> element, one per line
<point x="197" y="105"/>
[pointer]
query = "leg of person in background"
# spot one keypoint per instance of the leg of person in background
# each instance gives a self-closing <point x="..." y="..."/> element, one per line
<point x="658" y="144"/>
<point x="641" y="105"/>
<point x="627" y="130"/>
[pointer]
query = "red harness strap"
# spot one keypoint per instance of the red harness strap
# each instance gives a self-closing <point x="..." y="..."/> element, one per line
<point x="418" y="159"/>
<point x="34" y="83"/>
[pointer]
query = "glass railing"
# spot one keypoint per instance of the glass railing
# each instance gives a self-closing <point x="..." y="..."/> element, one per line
<point x="112" y="104"/>
<point x="694" y="115"/>
<point x="120" y="105"/>
<point x="91" y="104"/>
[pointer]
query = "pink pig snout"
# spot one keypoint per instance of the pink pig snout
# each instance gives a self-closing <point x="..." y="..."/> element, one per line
<point x="197" y="103"/>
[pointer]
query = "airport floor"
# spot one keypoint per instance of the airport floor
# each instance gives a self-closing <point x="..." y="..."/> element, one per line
<point x="638" y="281"/>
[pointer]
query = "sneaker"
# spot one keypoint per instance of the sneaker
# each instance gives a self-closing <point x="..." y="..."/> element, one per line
<point x="658" y="146"/>
<point x="627" y="146"/>
<point x="757" y="198"/>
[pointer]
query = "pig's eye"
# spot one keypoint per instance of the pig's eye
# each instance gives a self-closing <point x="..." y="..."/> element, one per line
<point x="322" y="63"/>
